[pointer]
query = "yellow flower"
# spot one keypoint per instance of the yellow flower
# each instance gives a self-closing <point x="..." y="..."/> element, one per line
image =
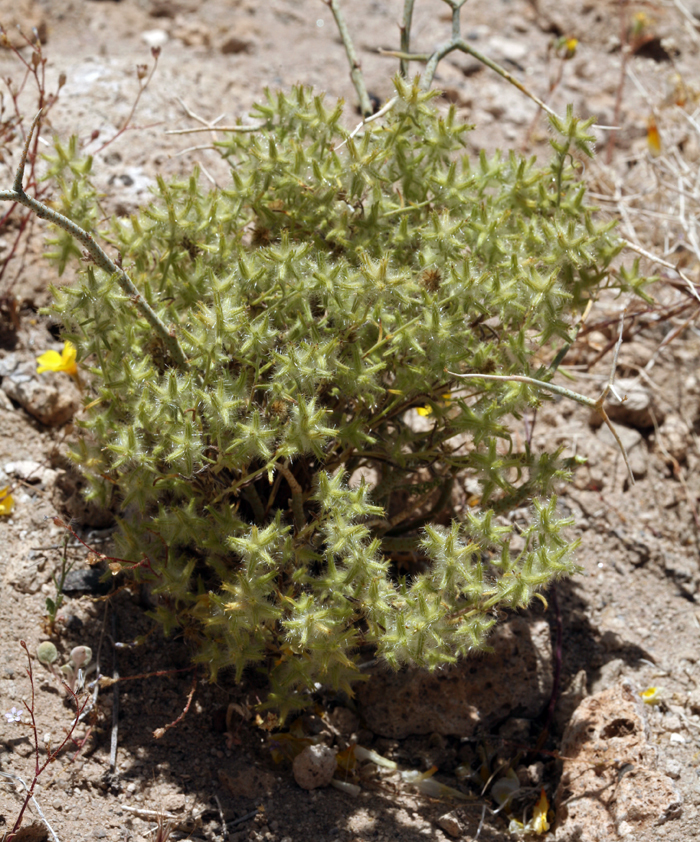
<point x="539" y="816"/>
<point x="570" y="44"/>
<point x="428" y="409"/>
<point x="652" y="695"/>
<point x="7" y="502"/>
<point x="53" y="361"/>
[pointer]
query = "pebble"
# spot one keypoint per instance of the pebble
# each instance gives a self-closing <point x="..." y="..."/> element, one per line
<point x="451" y="824"/>
<point x="31" y="472"/>
<point x="637" y="408"/>
<point x="673" y="768"/>
<point x="51" y="400"/>
<point x="314" y="767"/>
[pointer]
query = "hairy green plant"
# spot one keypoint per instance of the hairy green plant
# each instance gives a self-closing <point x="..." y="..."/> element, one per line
<point x="318" y="303"/>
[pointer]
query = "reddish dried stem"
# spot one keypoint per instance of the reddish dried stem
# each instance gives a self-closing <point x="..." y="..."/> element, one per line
<point x="52" y="755"/>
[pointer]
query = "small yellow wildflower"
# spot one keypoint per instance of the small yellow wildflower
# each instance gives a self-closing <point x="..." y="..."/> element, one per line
<point x="428" y="409"/>
<point x="538" y="824"/>
<point x="7" y="501"/>
<point x="570" y="45"/>
<point x="652" y="695"/>
<point x="53" y="361"/>
<point x="539" y="815"/>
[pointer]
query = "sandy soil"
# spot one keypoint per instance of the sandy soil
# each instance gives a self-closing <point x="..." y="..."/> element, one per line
<point x="633" y="611"/>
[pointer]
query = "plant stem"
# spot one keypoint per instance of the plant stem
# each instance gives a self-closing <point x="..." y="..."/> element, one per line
<point x="406" y="35"/>
<point x="355" y="68"/>
<point x="99" y="257"/>
<point x="567" y="393"/>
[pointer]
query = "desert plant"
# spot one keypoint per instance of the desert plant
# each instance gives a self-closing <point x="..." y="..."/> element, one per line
<point x="275" y="339"/>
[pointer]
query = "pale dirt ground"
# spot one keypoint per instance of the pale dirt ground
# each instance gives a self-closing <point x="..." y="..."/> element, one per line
<point x="632" y="612"/>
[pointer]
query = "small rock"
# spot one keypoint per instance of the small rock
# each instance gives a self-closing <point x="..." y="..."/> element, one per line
<point x="53" y="400"/>
<point x="86" y="581"/>
<point x="31" y="472"/>
<point x="34" y="832"/>
<point x="535" y="773"/>
<point x="630" y="439"/>
<point x="673" y="768"/>
<point x="451" y="824"/>
<point x="155" y="37"/>
<point x="637" y="408"/>
<point x="314" y="767"/>
<point x="635" y="355"/>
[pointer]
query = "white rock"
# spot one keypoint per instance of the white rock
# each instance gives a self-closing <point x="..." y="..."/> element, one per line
<point x="30" y="471"/>
<point x="451" y="824"/>
<point x="673" y="768"/>
<point x="314" y="767"/>
<point x="53" y="398"/>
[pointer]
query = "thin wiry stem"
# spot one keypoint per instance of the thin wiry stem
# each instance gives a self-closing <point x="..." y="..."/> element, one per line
<point x="99" y="257"/>
<point x="297" y="494"/>
<point x="567" y="393"/>
<point x="406" y="35"/>
<point x="465" y="47"/>
<point x="358" y="79"/>
<point x="242" y="129"/>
